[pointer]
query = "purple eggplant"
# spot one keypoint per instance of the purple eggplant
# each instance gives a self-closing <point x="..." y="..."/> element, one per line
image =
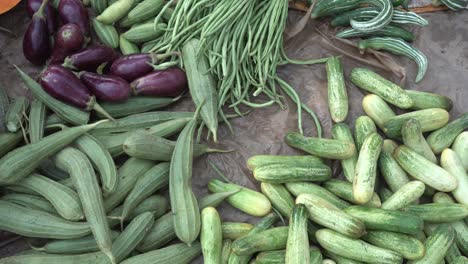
<point x="91" y="58"/>
<point x="52" y="22"/>
<point x="63" y="85"/>
<point x="36" y="45"/>
<point x="171" y="82"/>
<point x="69" y="39"/>
<point x="73" y="11"/>
<point x="107" y="88"/>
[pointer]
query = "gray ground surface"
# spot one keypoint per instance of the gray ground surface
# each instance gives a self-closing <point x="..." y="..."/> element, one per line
<point x="444" y="41"/>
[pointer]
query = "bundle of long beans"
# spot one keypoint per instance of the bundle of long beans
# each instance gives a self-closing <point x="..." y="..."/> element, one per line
<point x="243" y="41"/>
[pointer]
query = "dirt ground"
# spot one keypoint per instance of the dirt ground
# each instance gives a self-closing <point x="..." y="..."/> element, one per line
<point x="444" y="41"/>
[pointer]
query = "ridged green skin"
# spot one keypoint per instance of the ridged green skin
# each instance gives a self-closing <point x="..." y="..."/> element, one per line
<point x="366" y="169"/>
<point x="54" y="119"/>
<point x="376" y="84"/>
<point x="437" y="245"/>
<point x="278" y="173"/>
<point x="177" y="253"/>
<point x="136" y="105"/>
<point x="73" y="246"/>
<point x="98" y="5"/>
<point x="31" y="201"/>
<point x="429" y="120"/>
<point x="426" y="100"/>
<point x="398" y="47"/>
<point x="279" y="256"/>
<point x="107" y="34"/>
<point x="85" y="180"/>
<point x="408" y="246"/>
<point x="143" y="11"/>
<point x="37" y="115"/>
<point x="321" y="212"/>
<point x="279" y="197"/>
<point x="156" y="204"/>
<point x="394" y="175"/>
<point x="455" y="5"/>
<point x="356" y="249"/>
<point x="460" y="227"/>
<point x="363" y="127"/>
<point x="337" y="96"/>
<point x="184" y="204"/>
<point x="232" y="230"/>
<point x="8" y="141"/>
<point x="262" y="225"/>
<point x="298" y="188"/>
<point x="115" y="11"/>
<point x="128" y="174"/>
<point x="138" y="121"/>
<point x="367" y="13"/>
<point x="201" y="84"/>
<point x="321" y="147"/>
<point x="378" y="22"/>
<point x="22" y="161"/>
<point x="387" y="31"/>
<point x="67" y="112"/>
<point x="246" y="200"/>
<point x="14" y="116"/>
<point x="211" y="236"/>
<point x="163" y="229"/>
<point x="339" y="259"/>
<point x="453" y="253"/>
<point x="101" y="159"/>
<point x="271" y="239"/>
<point x="151" y="181"/>
<point x="406" y="195"/>
<point x="297" y="247"/>
<point x="226" y="251"/>
<point x="424" y="170"/>
<point x="151" y="147"/>
<point x="387" y="220"/>
<point x="444" y="137"/>
<point x="460" y="146"/>
<point x="377" y="109"/>
<point x="414" y="139"/>
<point x="439" y="212"/>
<point x="460" y="260"/>
<point x="65" y="200"/>
<point x="452" y="163"/>
<point x="263" y="160"/>
<point x="32" y="223"/>
<point x="326" y="8"/>
<point x="144" y="32"/>
<point x="343" y="132"/>
<point x="344" y="190"/>
<point x="127" y="48"/>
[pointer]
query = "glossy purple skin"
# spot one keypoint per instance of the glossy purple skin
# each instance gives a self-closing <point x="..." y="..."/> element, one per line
<point x="36" y="45"/>
<point x="63" y="85"/>
<point x="52" y="22"/>
<point x="69" y="39"/>
<point x="106" y="88"/>
<point x="91" y="58"/>
<point x="131" y="67"/>
<point x="171" y="83"/>
<point x="73" y="11"/>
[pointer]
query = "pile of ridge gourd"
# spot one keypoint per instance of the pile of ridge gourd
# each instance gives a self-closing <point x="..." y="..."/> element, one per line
<point x="95" y="190"/>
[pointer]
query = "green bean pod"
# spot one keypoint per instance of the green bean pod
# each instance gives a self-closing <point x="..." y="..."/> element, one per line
<point x="81" y="171"/>
<point x="414" y="139"/>
<point x="343" y="132"/>
<point x="297" y="247"/>
<point x="37" y="116"/>
<point x="211" y="237"/>
<point x="107" y="34"/>
<point x="337" y="96"/>
<point x="127" y="48"/>
<point x="115" y="11"/>
<point x="15" y="115"/>
<point x="363" y="127"/>
<point x="377" y="109"/>
<point x="344" y="190"/>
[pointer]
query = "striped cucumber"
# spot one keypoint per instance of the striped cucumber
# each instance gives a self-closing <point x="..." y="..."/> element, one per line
<point x="279" y="197"/>
<point x="377" y="109"/>
<point x="343" y="132"/>
<point x="363" y="127"/>
<point x="107" y="34"/>
<point x="414" y="139"/>
<point x="366" y="13"/>
<point x="444" y="137"/>
<point x="143" y="11"/>
<point x="337" y="96"/>
<point x="127" y="48"/>
<point x="140" y="33"/>
<point x="398" y="47"/>
<point x="382" y="19"/>
<point x="263" y="160"/>
<point x="37" y="116"/>
<point x="211" y="237"/>
<point x="408" y="246"/>
<point x="424" y="170"/>
<point x="177" y="253"/>
<point x="387" y="31"/>
<point x="281" y="174"/>
<point x="407" y="194"/>
<point x="393" y="174"/>
<point x="226" y="251"/>
<point x="298" y="188"/>
<point x="429" y="120"/>
<point x="327" y="8"/>
<point x="366" y="169"/>
<point x="297" y="247"/>
<point x="426" y="100"/>
<point x="387" y="220"/>
<point x="455" y="5"/>
<point x="460" y="146"/>
<point x="344" y="190"/>
<point x="325" y="148"/>
<point x="439" y="212"/>
<point x="437" y="245"/>
<point x="355" y="249"/>
<point x="376" y="84"/>
<point x="452" y="163"/>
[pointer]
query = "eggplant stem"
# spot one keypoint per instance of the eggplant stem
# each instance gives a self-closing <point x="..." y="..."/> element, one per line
<point x="40" y="12"/>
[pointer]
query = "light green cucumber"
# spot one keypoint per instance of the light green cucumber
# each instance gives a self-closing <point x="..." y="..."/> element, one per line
<point x="377" y="109"/>
<point x="337" y="96"/>
<point x="343" y="132"/>
<point x="232" y="230"/>
<point x="263" y="160"/>
<point x="270" y="239"/>
<point x="279" y="197"/>
<point x="393" y="174"/>
<point x="452" y="163"/>
<point x="298" y="188"/>
<point x="363" y="127"/>
<point x="325" y="148"/>
<point x="344" y="190"/>
<point x="439" y="212"/>
<point x="429" y="120"/>
<point x="297" y="247"/>
<point x="437" y="245"/>
<point x="460" y="146"/>
<point x="278" y="173"/>
<point x="407" y="194"/>
<point x="444" y="137"/>
<point x="414" y="139"/>
<point x="211" y="236"/>
<point x="408" y="246"/>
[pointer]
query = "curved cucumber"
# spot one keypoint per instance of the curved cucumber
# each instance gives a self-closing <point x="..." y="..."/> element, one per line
<point x="367" y="13"/>
<point x="387" y="31"/>
<point x="331" y="7"/>
<point x="455" y="5"/>
<point x="344" y="190"/>
<point x="381" y="20"/>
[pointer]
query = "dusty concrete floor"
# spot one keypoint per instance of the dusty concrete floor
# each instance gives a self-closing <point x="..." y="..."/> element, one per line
<point x="444" y="41"/>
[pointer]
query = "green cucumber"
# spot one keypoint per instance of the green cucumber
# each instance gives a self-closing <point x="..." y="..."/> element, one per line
<point x="271" y="239"/>
<point x="414" y="139"/>
<point x="297" y="247"/>
<point x="337" y="96"/>
<point x="439" y="212"/>
<point x="460" y="146"/>
<point x="387" y="31"/>
<point x="144" y="32"/>
<point x="279" y="197"/>
<point x="426" y="100"/>
<point x="429" y="119"/>
<point x="8" y="141"/>
<point x="437" y="245"/>
<point x="393" y="174"/>
<point x="263" y="160"/>
<point x="232" y="230"/>
<point x="325" y="148"/>
<point x="344" y="190"/>
<point x="444" y="137"/>
<point x="342" y="131"/>
<point x="298" y="188"/>
<point x="377" y="109"/>
<point x="407" y="194"/>
<point x="278" y="173"/>
<point x="408" y="246"/>
<point x="451" y="162"/>
<point x="363" y="127"/>
<point x="211" y="237"/>
<point x="279" y="257"/>
<point x="127" y="48"/>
